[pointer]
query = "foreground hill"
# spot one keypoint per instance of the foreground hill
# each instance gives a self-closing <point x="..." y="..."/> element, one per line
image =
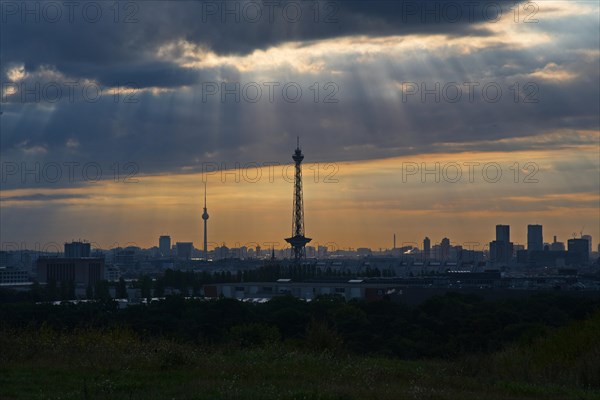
<point x="115" y="364"/>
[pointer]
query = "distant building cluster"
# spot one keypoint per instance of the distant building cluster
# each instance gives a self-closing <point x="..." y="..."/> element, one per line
<point x="84" y="267"/>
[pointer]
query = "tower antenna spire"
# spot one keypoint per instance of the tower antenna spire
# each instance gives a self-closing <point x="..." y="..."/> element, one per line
<point x="205" y="218"/>
<point x="298" y="241"/>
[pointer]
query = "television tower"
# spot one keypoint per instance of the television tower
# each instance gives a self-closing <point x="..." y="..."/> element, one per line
<point x="205" y="218"/>
<point x="298" y="240"/>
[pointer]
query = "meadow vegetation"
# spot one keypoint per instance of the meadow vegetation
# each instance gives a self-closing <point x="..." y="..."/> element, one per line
<point x="547" y="347"/>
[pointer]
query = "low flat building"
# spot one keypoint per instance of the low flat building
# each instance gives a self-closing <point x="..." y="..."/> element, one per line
<point x="13" y="276"/>
<point x="84" y="271"/>
<point x="352" y="289"/>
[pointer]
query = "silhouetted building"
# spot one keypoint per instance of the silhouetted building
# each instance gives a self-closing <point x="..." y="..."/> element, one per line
<point x="125" y="257"/>
<point x="543" y="258"/>
<point x="522" y="256"/>
<point x="445" y="249"/>
<point x="535" y="240"/>
<point x="164" y="246"/>
<point x="503" y="233"/>
<point x="518" y="247"/>
<point x="322" y="252"/>
<point x="222" y="252"/>
<point x="184" y="250"/>
<point x="578" y="251"/>
<point x="469" y="256"/>
<point x="501" y="249"/>
<point x="85" y="271"/>
<point x="363" y="251"/>
<point x="77" y="250"/>
<point x="589" y="239"/>
<point x="426" y="248"/>
<point x="557" y="246"/>
<point x="501" y="252"/>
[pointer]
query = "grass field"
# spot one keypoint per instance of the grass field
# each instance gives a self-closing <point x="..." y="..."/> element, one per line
<point x="117" y="364"/>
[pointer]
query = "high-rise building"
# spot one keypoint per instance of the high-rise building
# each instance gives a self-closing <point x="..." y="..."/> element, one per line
<point x="578" y="251"/>
<point x="445" y="249"/>
<point x="535" y="239"/>
<point x="77" y="250"/>
<point x="501" y="249"/>
<point x="589" y="239"/>
<point x="298" y="241"/>
<point x="164" y="246"/>
<point x="426" y="248"/>
<point x="503" y="233"/>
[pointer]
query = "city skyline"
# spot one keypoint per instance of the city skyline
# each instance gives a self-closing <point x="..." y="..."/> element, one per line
<point x="231" y="224"/>
<point x="55" y="246"/>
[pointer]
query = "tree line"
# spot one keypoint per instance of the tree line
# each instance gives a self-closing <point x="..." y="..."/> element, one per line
<point x="443" y="326"/>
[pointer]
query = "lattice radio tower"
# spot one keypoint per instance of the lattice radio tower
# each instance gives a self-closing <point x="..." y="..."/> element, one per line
<point x="298" y="241"/>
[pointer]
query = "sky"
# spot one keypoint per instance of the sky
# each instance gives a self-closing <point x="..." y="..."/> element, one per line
<point x="419" y="118"/>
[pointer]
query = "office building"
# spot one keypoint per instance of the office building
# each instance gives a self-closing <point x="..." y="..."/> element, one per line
<point x="426" y="248"/>
<point x="13" y="276"/>
<point x="84" y="271"/>
<point x="501" y="249"/>
<point x="535" y="240"/>
<point x="578" y="251"/>
<point x="445" y="249"/>
<point x="589" y="239"/>
<point x="164" y="246"/>
<point x="503" y="233"/>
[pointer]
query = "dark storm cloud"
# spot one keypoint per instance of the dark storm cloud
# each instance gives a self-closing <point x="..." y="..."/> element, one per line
<point x="158" y="74"/>
<point x="72" y="79"/>
<point x="176" y="131"/>
<point x="82" y="48"/>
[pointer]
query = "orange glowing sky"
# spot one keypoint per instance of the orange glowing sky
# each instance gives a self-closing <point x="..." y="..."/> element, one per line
<point x="349" y="204"/>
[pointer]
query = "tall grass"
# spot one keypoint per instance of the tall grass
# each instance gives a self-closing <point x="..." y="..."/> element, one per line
<point x="118" y="364"/>
<point x="568" y="356"/>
